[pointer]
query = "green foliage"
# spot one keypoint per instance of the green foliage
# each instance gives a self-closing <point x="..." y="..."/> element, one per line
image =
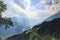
<point x="2" y="6"/>
<point x="8" y="22"/>
<point x="48" y="30"/>
<point x="4" y="21"/>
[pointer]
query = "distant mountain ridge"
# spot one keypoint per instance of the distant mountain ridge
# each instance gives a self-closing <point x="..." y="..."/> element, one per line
<point x="48" y="30"/>
<point x="57" y="15"/>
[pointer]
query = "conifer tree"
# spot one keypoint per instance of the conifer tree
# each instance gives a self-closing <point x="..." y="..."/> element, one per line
<point x="4" y="21"/>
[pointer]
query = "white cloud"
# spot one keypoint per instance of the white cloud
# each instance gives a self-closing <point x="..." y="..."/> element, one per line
<point x="15" y="10"/>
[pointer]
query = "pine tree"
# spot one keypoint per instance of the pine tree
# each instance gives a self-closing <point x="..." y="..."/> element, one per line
<point x="4" y="21"/>
<point x="2" y="8"/>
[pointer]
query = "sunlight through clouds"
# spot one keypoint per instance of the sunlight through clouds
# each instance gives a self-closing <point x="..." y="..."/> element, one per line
<point x="31" y="11"/>
<point x="27" y="13"/>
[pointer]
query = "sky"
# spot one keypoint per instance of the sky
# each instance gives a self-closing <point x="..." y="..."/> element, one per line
<point x="35" y="10"/>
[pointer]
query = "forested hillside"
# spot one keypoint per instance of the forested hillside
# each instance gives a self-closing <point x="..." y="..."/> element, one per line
<point x="48" y="30"/>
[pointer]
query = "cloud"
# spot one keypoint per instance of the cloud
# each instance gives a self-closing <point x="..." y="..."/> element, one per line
<point x="15" y="10"/>
<point x="20" y="3"/>
<point x="34" y="15"/>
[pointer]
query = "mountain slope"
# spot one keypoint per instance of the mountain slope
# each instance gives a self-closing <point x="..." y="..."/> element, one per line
<point x="57" y="15"/>
<point x="20" y="24"/>
<point x="48" y="30"/>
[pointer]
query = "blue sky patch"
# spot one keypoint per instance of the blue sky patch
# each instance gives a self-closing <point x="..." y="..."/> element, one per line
<point x="41" y="7"/>
<point x="34" y="2"/>
<point x="49" y="3"/>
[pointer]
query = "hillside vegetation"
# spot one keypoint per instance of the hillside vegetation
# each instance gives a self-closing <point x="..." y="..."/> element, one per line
<point x="48" y="30"/>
